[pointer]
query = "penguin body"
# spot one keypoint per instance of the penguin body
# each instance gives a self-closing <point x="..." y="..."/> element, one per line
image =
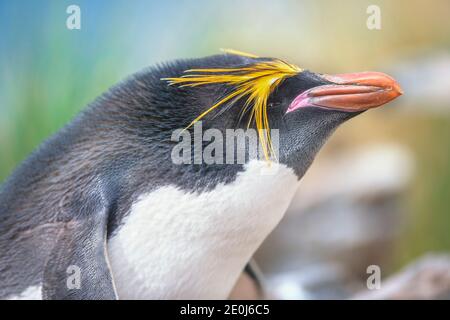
<point x="104" y="195"/>
<point x="210" y="248"/>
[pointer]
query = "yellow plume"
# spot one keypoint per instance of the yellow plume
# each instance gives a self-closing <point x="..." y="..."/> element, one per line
<point x="255" y="82"/>
<point x="239" y="53"/>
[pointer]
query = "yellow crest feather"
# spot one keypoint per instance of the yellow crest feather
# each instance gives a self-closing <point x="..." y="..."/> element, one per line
<point x="254" y="82"/>
<point x="239" y="53"/>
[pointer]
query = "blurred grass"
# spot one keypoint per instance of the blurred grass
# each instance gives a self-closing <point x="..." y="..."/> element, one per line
<point x="48" y="73"/>
<point x="429" y="198"/>
<point x="426" y="201"/>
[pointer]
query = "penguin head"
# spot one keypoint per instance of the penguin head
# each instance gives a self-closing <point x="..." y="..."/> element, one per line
<point x="240" y="91"/>
<point x="312" y="105"/>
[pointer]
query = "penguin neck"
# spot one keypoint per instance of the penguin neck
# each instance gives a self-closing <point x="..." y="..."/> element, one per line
<point x="180" y="245"/>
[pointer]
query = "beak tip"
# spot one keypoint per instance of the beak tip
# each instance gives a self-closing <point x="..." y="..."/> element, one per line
<point x="400" y="91"/>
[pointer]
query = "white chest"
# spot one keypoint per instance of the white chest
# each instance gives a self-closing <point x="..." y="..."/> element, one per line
<point x="178" y="245"/>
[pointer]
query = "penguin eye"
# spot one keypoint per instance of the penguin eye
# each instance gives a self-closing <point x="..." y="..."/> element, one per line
<point x="274" y="104"/>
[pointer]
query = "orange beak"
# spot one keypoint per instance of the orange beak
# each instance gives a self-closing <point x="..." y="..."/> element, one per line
<point x="350" y="92"/>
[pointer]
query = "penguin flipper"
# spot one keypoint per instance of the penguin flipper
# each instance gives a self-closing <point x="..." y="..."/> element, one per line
<point x="78" y="267"/>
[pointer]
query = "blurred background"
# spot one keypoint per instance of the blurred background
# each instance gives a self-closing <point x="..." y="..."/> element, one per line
<point x="379" y="192"/>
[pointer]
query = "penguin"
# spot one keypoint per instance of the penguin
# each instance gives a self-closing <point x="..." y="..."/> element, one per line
<point x="101" y="211"/>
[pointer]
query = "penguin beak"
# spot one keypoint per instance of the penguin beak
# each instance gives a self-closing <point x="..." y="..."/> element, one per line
<point x="350" y="92"/>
